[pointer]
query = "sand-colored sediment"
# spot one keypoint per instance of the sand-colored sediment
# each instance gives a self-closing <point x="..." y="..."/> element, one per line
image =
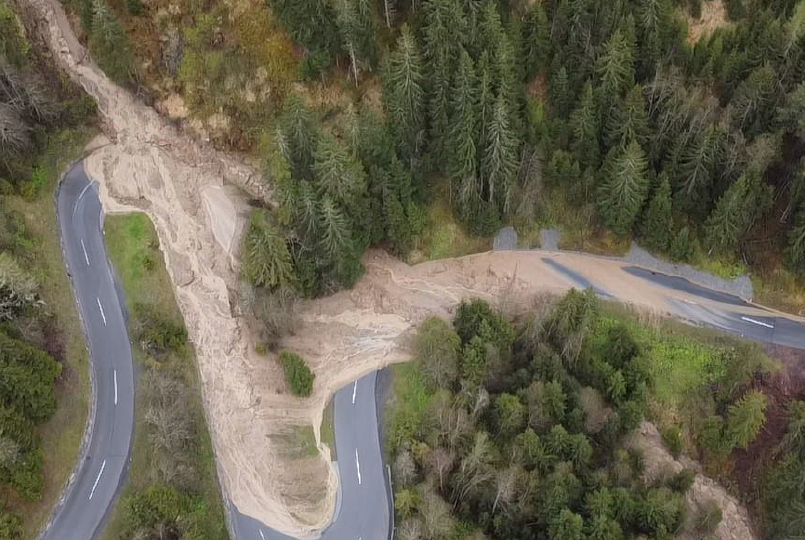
<point x="254" y="422"/>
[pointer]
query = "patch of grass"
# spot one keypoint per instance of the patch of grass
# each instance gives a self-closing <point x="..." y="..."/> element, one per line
<point x="780" y="289"/>
<point x="61" y="436"/>
<point x="298" y="443"/>
<point x="682" y="359"/>
<point x="327" y="430"/>
<point x="578" y="226"/>
<point x="131" y="242"/>
<point x="445" y="237"/>
<point x="408" y="401"/>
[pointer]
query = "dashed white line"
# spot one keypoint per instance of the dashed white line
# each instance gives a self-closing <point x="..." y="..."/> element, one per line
<point x="761" y="323"/>
<point x="262" y="535"/>
<point x="115" y="376"/>
<point x="83" y="247"/>
<point x="354" y="391"/>
<point x="100" y="307"/>
<point x="91" y="493"/>
<point x="358" y="463"/>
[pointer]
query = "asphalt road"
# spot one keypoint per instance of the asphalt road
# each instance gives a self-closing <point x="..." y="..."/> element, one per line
<point x="363" y="507"/>
<point x="97" y="480"/>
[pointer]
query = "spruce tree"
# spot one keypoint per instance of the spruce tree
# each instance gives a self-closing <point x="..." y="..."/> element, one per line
<point x="335" y="239"/>
<point x="310" y="22"/>
<point x="625" y="187"/>
<point x="357" y="30"/>
<point x="628" y="120"/>
<point x="440" y="52"/>
<point x="299" y="135"/>
<point x="658" y="227"/>
<point x="266" y="259"/>
<point x="462" y="150"/>
<point x="560" y="93"/>
<point x="338" y="174"/>
<point x="500" y="157"/>
<point x="585" y="129"/>
<point x="537" y="38"/>
<point x="746" y="199"/>
<point x="109" y="44"/>
<point x="404" y="94"/>
<point x="615" y="69"/>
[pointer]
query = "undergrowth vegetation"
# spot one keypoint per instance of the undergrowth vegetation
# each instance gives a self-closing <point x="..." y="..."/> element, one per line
<point x="505" y="429"/>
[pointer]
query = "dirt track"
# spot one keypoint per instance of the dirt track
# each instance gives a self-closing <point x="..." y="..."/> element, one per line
<point x="255" y="424"/>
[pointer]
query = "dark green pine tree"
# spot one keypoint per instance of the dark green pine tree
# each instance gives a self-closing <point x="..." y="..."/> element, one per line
<point x="441" y="51"/>
<point x="109" y="43"/>
<point x="625" y="186"/>
<point x="462" y="150"/>
<point x="500" y="157"/>
<point x="697" y="167"/>
<point x="658" y="226"/>
<point x="560" y="93"/>
<point x="486" y="99"/>
<point x="752" y="100"/>
<point x="299" y="136"/>
<point x="537" y="39"/>
<point x="404" y="94"/>
<point x="357" y="29"/>
<point x="586" y="129"/>
<point x="338" y="174"/>
<point x="743" y="202"/>
<point x="310" y="22"/>
<point x="615" y="70"/>
<point x="629" y="121"/>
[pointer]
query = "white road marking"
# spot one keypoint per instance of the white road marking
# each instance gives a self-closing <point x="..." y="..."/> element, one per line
<point x="689" y="302"/>
<point x="100" y="307"/>
<point x="761" y="323"/>
<point x="91" y="493"/>
<point x="115" y="375"/>
<point x="80" y="196"/>
<point x="262" y="535"/>
<point x="358" y="463"/>
<point x="86" y="257"/>
<point x="354" y="390"/>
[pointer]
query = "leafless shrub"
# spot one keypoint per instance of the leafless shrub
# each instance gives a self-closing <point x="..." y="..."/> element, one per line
<point x="404" y="468"/>
<point x="15" y="134"/>
<point x="275" y="314"/>
<point x="410" y="529"/>
<point x="27" y="94"/>
<point x="595" y="409"/>
<point x="9" y="452"/>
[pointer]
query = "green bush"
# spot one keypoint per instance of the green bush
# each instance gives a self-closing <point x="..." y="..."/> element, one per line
<point x="10" y="526"/>
<point x="159" y="335"/>
<point x="708" y="518"/>
<point x="135" y="7"/>
<point x="297" y="373"/>
<point x="672" y="438"/>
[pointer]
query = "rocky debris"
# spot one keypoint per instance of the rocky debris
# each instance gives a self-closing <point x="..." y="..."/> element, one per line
<point x="735" y="524"/>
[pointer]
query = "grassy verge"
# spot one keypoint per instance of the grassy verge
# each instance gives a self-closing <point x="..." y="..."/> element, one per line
<point x="327" y="430"/>
<point x="444" y="236"/>
<point x="132" y="245"/>
<point x="40" y="239"/>
<point x="406" y="405"/>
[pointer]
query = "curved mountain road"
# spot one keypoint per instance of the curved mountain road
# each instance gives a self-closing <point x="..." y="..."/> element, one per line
<point x="363" y="511"/>
<point x="97" y="478"/>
